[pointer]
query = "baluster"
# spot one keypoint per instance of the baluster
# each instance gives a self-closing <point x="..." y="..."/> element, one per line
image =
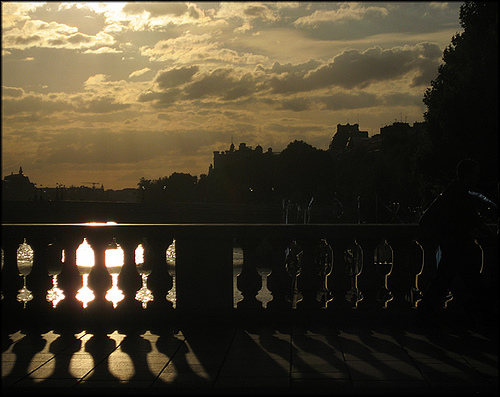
<point x="162" y="258"/>
<point x="237" y="269"/>
<point x="278" y="280"/>
<point x="41" y="281"/>
<point x="54" y="258"/>
<point x="24" y="265"/>
<point x="265" y="259"/>
<point x="99" y="279"/>
<point x="415" y="258"/>
<point x="70" y="279"/>
<point x="324" y="266"/>
<point x="353" y="257"/>
<point x="170" y="256"/>
<point x="129" y="281"/>
<point x="249" y="281"/>
<point x="144" y="268"/>
<point x="10" y="274"/>
<point x="114" y="258"/>
<point x="383" y="257"/>
<point x="293" y="266"/>
<point x="85" y="261"/>
<point x="309" y="281"/>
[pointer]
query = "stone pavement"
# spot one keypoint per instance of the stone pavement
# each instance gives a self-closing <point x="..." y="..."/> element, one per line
<point x="344" y="355"/>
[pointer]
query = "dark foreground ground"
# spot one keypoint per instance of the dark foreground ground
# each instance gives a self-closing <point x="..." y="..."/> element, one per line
<point x="326" y="354"/>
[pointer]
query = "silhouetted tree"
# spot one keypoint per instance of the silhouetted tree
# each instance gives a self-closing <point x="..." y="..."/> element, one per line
<point x="462" y="102"/>
<point x="301" y="171"/>
<point x="181" y="187"/>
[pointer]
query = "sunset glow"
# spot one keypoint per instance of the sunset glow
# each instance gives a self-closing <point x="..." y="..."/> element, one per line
<point x="112" y="92"/>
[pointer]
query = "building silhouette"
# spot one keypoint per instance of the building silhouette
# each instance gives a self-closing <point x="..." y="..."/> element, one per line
<point x="400" y="128"/>
<point x="348" y="136"/>
<point x="225" y="160"/>
<point x="18" y="187"/>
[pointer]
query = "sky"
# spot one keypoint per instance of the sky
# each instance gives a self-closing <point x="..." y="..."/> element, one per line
<point x="115" y="92"/>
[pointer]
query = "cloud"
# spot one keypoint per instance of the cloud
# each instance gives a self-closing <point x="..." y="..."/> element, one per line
<point x="355" y="69"/>
<point x="103" y="50"/>
<point x="52" y="35"/>
<point x="196" y="48"/>
<point x="346" y="12"/>
<point x="439" y="5"/>
<point x="99" y="105"/>
<point x="93" y="146"/>
<point x="246" y="11"/>
<point x="137" y="73"/>
<point x="13" y="92"/>
<point x="350" y="100"/>
<point x="296" y="104"/>
<point x="352" y="69"/>
<point x="156" y="87"/>
<point x="175" y="76"/>
<point x="17" y="101"/>
<point x="155" y="9"/>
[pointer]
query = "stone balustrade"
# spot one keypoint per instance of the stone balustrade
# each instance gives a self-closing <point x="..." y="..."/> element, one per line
<point x="303" y="267"/>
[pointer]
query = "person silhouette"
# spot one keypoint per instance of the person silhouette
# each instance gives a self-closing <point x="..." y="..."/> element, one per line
<point x="454" y="223"/>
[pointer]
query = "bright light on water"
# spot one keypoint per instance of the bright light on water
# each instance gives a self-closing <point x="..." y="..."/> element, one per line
<point x="114" y="294"/>
<point x="85" y="258"/>
<point x="85" y="294"/>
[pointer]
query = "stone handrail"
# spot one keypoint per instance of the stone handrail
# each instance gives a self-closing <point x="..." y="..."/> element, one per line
<point x="305" y="267"/>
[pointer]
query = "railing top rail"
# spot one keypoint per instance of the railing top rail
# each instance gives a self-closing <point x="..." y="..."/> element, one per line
<point x="222" y="230"/>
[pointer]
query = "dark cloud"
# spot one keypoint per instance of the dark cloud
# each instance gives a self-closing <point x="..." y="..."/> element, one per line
<point x="79" y="38"/>
<point x="20" y="40"/>
<point x="289" y="68"/>
<point x="99" y="105"/>
<point x="344" y="100"/>
<point x="12" y="92"/>
<point x="56" y="42"/>
<point x="86" y="20"/>
<point x="256" y="11"/>
<point x="220" y="83"/>
<point x="175" y="76"/>
<point x="297" y="104"/>
<point x="193" y="12"/>
<point x="355" y="69"/>
<point x="32" y="104"/>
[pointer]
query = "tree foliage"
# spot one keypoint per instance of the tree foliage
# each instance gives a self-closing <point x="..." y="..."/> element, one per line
<point x="462" y="102"/>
